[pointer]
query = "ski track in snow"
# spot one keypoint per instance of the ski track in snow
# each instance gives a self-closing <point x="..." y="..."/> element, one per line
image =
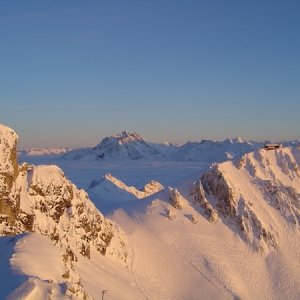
<point x="141" y="237"/>
<point x="133" y="272"/>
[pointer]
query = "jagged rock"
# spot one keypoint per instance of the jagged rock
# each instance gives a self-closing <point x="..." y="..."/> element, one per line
<point x="170" y="214"/>
<point x="194" y="219"/>
<point x="199" y="196"/>
<point x="231" y="206"/>
<point x="152" y="187"/>
<point x="175" y="198"/>
<point x="42" y="200"/>
<point x="214" y="183"/>
<point x="9" y="198"/>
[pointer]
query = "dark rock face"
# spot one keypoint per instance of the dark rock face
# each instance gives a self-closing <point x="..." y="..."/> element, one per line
<point x="199" y="196"/>
<point x="228" y="204"/>
<point x="214" y="183"/>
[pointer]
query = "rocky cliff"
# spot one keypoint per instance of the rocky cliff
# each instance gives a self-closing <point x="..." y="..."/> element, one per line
<point x="245" y="192"/>
<point x="41" y="199"/>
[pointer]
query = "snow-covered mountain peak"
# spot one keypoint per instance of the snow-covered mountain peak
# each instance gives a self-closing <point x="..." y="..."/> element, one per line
<point x="120" y="138"/>
<point x="126" y="136"/>
<point x="238" y="139"/>
<point x="123" y="146"/>
<point x="235" y="140"/>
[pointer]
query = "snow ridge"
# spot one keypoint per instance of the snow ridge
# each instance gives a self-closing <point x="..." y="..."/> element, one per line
<point x="112" y="188"/>
<point x="244" y="191"/>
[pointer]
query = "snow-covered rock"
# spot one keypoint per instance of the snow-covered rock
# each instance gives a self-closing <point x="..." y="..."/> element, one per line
<point x="42" y="200"/>
<point x="9" y="198"/>
<point x="110" y="187"/>
<point x="199" y="196"/>
<point x="152" y="187"/>
<point x="175" y="197"/>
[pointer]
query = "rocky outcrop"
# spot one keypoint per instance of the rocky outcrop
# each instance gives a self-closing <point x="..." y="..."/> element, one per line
<point x="9" y="196"/>
<point x="215" y="184"/>
<point x="232" y="208"/>
<point x="248" y="192"/>
<point x="152" y="187"/>
<point x="41" y="199"/>
<point x="199" y="197"/>
<point x="175" y="198"/>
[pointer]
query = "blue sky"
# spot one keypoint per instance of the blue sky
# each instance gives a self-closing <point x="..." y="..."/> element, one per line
<point x="73" y="72"/>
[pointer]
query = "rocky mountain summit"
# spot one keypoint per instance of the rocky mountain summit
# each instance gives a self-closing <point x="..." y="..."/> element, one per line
<point x="41" y="199"/>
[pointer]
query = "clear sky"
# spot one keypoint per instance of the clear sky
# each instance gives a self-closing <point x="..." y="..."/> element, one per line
<point x="73" y="72"/>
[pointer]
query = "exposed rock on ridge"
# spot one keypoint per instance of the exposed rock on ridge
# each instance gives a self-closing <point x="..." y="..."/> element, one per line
<point x="234" y="191"/>
<point x="42" y="200"/>
<point x="117" y="189"/>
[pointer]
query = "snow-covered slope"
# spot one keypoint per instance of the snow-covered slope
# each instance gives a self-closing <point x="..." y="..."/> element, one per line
<point x="42" y="200"/>
<point x="231" y="233"/>
<point x="131" y="146"/>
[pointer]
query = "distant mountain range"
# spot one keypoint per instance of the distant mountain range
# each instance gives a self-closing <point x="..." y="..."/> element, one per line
<point x="127" y="146"/>
<point x="43" y="151"/>
<point x="131" y="146"/>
